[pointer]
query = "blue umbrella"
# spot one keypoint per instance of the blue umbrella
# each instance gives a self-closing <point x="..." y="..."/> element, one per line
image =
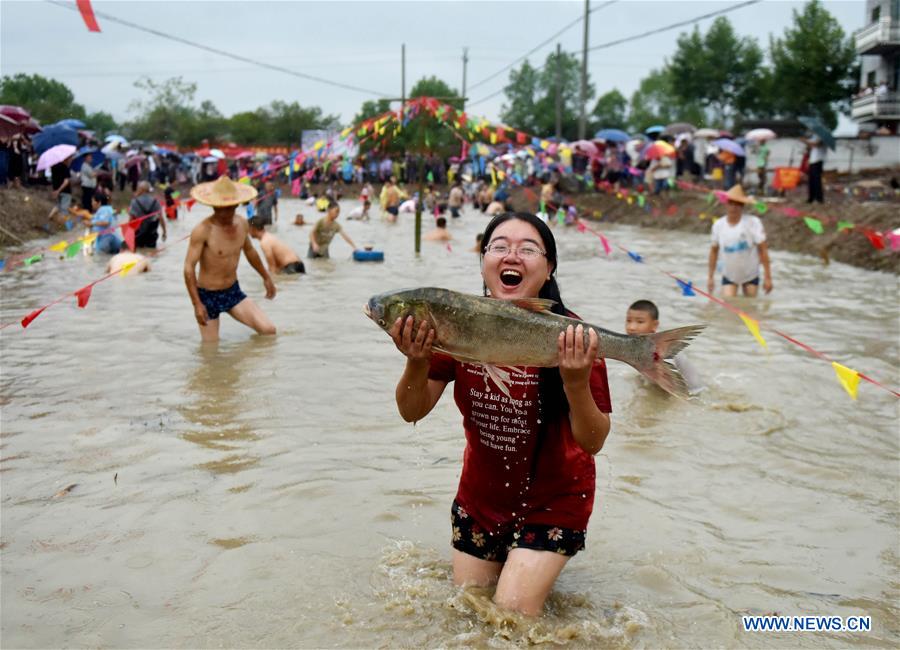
<point x="97" y="158"/>
<point x="658" y="128"/>
<point x="53" y="135"/>
<point x="816" y="126"/>
<point x="724" y="144"/>
<point x="115" y="137"/>
<point x="71" y="122"/>
<point x="612" y="135"/>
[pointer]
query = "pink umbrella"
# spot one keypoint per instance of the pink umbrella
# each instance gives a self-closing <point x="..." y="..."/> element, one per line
<point x="135" y="160"/>
<point x="761" y="135"/>
<point x="243" y="154"/>
<point x="586" y="147"/>
<point x="54" y="155"/>
<point x="32" y="126"/>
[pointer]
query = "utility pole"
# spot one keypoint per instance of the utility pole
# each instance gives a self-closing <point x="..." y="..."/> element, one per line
<point x="465" y="63"/>
<point x="582" y="126"/>
<point x="402" y="81"/>
<point x="558" y="91"/>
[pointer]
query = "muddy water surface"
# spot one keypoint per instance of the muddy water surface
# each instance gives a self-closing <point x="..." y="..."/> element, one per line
<point x="266" y="493"/>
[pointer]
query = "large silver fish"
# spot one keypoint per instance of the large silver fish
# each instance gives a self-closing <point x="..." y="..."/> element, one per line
<point x="517" y="333"/>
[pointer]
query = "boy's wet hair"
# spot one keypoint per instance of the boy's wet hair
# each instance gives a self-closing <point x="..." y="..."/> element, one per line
<point x="441" y="222"/>
<point x="645" y="306"/>
<point x="256" y="223"/>
<point x="332" y="204"/>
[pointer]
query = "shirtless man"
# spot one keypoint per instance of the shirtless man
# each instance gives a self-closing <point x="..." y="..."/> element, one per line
<point x="216" y="243"/>
<point x="279" y="256"/>
<point x="440" y="232"/>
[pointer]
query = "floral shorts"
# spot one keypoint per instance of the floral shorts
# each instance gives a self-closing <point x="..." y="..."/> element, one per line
<point x="470" y="538"/>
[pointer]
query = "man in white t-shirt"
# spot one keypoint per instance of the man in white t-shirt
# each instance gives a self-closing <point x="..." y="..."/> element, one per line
<point x="741" y="240"/>
<point x="816" y="163"/>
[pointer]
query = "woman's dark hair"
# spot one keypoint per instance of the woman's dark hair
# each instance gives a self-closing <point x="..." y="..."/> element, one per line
<point x="101" y="198"/>
<point x="552" y="397"/>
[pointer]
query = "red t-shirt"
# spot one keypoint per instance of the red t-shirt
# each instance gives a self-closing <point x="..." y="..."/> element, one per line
<point x="504" y="482"/>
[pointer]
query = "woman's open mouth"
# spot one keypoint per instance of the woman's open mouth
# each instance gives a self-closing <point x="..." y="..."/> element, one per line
<point x="510" y="278"/>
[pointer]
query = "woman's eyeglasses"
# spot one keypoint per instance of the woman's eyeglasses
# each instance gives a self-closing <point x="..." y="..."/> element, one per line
<point x="525" y="252"/>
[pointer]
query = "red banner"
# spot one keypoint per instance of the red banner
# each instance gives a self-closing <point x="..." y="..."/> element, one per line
<point x="87" y="13"/>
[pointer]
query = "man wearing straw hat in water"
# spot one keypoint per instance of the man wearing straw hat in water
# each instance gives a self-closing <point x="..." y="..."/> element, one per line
<point x="742" y="240"/>
<point x="216" y="243"/>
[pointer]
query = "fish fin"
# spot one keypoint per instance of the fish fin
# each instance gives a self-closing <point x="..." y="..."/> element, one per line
<point x="500" y="377"/>
<point x="459" y="357"/>
<point x="665" y="346"/>
<point x="534" y="304"/>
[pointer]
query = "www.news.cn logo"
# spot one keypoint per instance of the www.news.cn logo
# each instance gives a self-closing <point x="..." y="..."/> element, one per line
<point x="806" y="623"/>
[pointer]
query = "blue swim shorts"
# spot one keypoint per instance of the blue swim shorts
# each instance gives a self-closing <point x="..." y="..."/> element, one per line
<point x="222" y="300"/>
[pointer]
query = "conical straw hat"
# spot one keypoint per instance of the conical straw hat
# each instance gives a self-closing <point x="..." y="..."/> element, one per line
<point x="737" y="195"/>
<point x="223" y="193"/>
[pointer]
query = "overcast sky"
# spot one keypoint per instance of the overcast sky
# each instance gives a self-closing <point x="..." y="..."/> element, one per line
<point x="354" y="43"/>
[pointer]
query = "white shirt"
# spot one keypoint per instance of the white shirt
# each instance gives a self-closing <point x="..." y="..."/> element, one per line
<point x="817" y="152"/>
<point x="738" y="247"/>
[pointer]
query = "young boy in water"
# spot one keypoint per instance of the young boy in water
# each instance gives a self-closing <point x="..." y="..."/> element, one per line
<point x="642" y="319"/>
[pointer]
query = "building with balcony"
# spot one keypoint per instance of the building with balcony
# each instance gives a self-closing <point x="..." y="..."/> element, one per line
<point x="878" y="44"/>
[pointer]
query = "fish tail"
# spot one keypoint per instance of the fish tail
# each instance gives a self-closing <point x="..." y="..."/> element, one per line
<point x="666" y="345"/>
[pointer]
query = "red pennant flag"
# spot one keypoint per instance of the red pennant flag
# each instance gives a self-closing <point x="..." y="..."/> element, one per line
<point x="128" y="235"/>
<point x="521" y="138"/>
<point x="87" y="12"/>
<point x="30" y="317"/>
<point x="606" y="247"/>
<point x="83" y="295"/>
<point x="875" y="238"/>
<point x="672" y="210"/>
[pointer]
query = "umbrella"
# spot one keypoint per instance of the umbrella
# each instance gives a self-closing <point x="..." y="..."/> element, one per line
<point x="816" y="126"/>
<point x="724" y="144"/>
<point x="31" y="126"/>
<point x="658" y="128"/>
<point x="210" y="159"/>
<point x="135" y="160"/>
<point x="54" y="155"/>
<point x="677" y="128"/>
<point x="113" y="137"/>
<point x="17" y="113"/>
<point x="277" y="158"/>
<point x="706" y="133"/>
<point x="112" y="150"/>
<point x="760" y="135"/>
<point x="9" y="127"/>
<point x="612" y="135"/>
<point x="585" y="147"/>
<point x="243" y="154"/>
<point x="657" y="150"/>
<point x="216" y="153"/>
<point x="54" y="135"/>
<point x="97" y="158"/>
<point x="71" y="123"/>
<point x="726" y="134"/>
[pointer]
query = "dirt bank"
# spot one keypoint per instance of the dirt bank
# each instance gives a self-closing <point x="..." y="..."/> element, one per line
<point x="23" y="214"/>
<point x="690" y="211"/>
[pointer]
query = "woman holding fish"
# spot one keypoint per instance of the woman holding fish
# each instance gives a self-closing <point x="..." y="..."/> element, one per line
<point x="527" y="485"/>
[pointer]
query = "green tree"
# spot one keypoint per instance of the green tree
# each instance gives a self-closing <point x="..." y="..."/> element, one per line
<point x="101" y="123"/>
<point x="814" y="69"/>
<point x="654" y="103"/>
<point x="532" y="96"/>
<point x="166" y="114"/>
<point x="249" y="127"/>
<point x="47" y="100"/>
<point x="610" y="111"/>
<point x="720" y="71"/>
<point x="288" y="121"/>
<point x="521" y="95"/>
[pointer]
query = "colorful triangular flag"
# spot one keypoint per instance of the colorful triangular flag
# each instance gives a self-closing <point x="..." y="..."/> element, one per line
<point x="83" y="295"/>
<point x="814" y="224"/>
<point x="30" y="317"/>
<point x="753" y="326"/>
<point x="687" y="288"/>
<point x="848" y="377"/>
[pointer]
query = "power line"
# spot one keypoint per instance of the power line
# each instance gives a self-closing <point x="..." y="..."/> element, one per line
<point x="237" y="57"/>
<point x="484" y="99"/>
<point x="538" y="46"/>
<point x="673" y="26"/>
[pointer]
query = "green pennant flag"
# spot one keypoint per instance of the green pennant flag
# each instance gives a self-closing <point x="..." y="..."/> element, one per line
<point x="641" y="200"/>
<point x="73" y="248"/>
<point x="710" y="197"/>
<point x="844" y="225"/>
<point x="34" y="258"/>
<point x="543" y="207"/>
<point x="814" y="224"/>
<point x="761" y="207"/>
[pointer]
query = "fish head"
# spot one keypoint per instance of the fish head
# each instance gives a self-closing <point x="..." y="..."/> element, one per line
<point x="385" y="308"/>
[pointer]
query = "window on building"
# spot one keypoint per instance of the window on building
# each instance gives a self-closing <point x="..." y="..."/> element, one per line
<point x="876" y="13"/>
<point x="870" y="79"/>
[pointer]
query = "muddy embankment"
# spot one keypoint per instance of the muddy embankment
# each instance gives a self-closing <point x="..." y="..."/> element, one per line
<point x="691" y="211"/>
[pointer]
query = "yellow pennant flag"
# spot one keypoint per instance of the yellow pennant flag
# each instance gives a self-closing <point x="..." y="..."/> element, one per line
<point x="319" y="145"/>
<point x="501" y="175"/>
<point x="545" y="144"/>
<point x="630" y="200"/>
<point x="126" y="268"/>
<point x="59" y="247"/>
<point x="493" y="138"/>
<point x="753" y="326"/>
<point x="848" y="377"/>
<point x="346" y="131"/>
<point x="89" y="239"/>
